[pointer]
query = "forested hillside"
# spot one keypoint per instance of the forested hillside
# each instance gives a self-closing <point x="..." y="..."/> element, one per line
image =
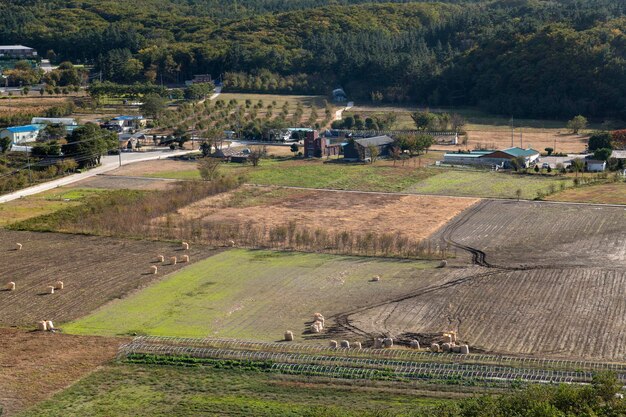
<point x="513" y="57"/>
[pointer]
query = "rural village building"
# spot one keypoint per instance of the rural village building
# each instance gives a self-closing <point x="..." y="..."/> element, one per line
<point x="65" y="121"/>
<point x="489" y="157"/>
<point x="22" y="134"/>
<point x="17" y="51"/>
<point x="594" y="165"/>
<point x="359" y="149"/>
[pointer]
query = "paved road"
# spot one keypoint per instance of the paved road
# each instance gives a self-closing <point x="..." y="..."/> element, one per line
<point x="109" y="163"/>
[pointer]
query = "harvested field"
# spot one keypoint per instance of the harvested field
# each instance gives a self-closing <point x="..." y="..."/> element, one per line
<point x="119" y="182"/>
<point x="548" y="280"/>
<point x="413" y="216"/>
<point x="257" y="295"/>
<point x="559" y="140"/>
<point x="94" y="270"/>
<point x="148" y="168"/>
<point x="614" y="193"/>
<point x="29" y="105"/>
<point x="35" y="365"/>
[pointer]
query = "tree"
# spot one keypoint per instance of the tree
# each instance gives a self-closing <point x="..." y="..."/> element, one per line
<point x="549" y="150"/>
<point x="52" y="148"/>
<point x="209" y="168"/>
<point x="423" y="143"/>
<point x="602" y="154"/>
<point x="518" y="193"/>
<point x="294" y="148"/>
<point x="153" y="105"/>
<point x="578" y="165"/>
<point x="52" y="132"/>
<point x="199" y="91"/>
<point x="205" y="148"/>
<point x="374" y="152"/>
<point x="536" y="169"/>
<point x="5" y="145"/>
<point x="88" y="143"/>
<point x="422" y="119"/>
<point x="599" y="141"/>
<point x="255" y="156"/>
<point x="395" y="152"/>
<point x="517" y="163"/>
<point x="577" y="124"/>
<point x="457" y="122"/>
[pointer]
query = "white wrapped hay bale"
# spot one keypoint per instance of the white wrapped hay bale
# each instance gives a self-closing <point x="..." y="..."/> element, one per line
<point x="58" y="285"/>
<point x="333" y="344"/>
<point x="185" y="246"/>
<point x="11" y="286"/>
<point x="387" y="342"/>
<point x="376" y="278"/>
<point x="161" y="258"/>
<point x="446" y="347"/>
<point x="50" y="289"/>
<point x="49" y="325"/>
<point x="173" y="260"/>
<point x="153" y="270"/>
<point x="464" y="350"/>
<point x="185" y="258"/>
<point x="18" y="246"/>
<point x="345" y="344"/>
<point x="357" y="345"/>
<point x="455" y="349"/>
<point x="230" y="243"/>
<point x="434" y="347"/>
<point x="289" y="336"/>
<point x="414" y="344"/>
<point x="443" y="264"/>
<point x="315" y="328"/>
<point x="42" y="326"/>
<point x="378" y="343"/>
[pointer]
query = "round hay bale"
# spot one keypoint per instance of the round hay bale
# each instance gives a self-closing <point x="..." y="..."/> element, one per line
<point x="49" y="325"/>
<point x="464" y="350"/>
<point x="161" y="258"/>
<point x="42" y="326"/>
<point x="443" y="264"/>
<point x="455" y="349"/>
<point x="434" y="347"/>
<point x="185" y="246"/>
<point x="447" y="338"/>
<point x="357" y="345"/>
<point x="185" y="258"/>
<point x="414" y="344"/>
<point x="173" y="260"/>
<point x="388" y="342"/>
<point x="333" y="344"/>
<point x="446" y="347"/>
<point x="230" y="243"/>
<point x="58" y="285"/>
<point x="376" y="278"/>
<point x="378" y="343"/>
<point x="345" y="344"/>
<point x="50" y="289"/>
<point x="11" y="286"/>
<point x="289" y="336"/>
<point x="18" y="246"/>
<point x="153" y="269"/>
<point x="319" y="324"/>
<point x="315" y="328"/>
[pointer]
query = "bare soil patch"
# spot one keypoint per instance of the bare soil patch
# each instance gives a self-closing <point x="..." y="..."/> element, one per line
<point x="35" y="365"/>
<point x="614" y="193"/>
<point x="561" y="142"/>
<point x="118" y="182"/>
<point x="153" y="167"/>
<point x="94" y="271"/>
<point x="416" y="217"/>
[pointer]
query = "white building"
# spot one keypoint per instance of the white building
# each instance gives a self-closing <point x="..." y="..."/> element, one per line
<point x="22" y="134"/>
<point x="17" y="51"/>
<point x="65" y="121"/>
<point x="594" y="165"/>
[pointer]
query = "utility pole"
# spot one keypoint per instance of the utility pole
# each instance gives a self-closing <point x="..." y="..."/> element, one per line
<point x="30" y="175"/>
<point x="120" y="156"/>
<point x="512" y="129"/>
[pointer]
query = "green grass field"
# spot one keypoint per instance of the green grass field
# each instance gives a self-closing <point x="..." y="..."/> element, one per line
<point x="138" y="390"/>
<point x="254" y="295"/>
<point x="487" y="184"/>
<point x="314" y="174"/>
<point x="44" y="203"/>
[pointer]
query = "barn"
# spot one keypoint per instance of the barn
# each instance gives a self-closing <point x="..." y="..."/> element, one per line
<point x="359" y="149"/>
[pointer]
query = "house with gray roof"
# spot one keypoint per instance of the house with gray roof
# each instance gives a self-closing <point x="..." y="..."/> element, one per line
<point x="359" y="149"/>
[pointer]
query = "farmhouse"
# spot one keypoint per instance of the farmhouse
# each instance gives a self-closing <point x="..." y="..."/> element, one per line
<point x="65" y="121"/>
<point x="22" y="134"/>
<point x="489" y="157"/>
<point x="124" y="123"/>
<point x="17" y="51"/>
<point x="594" y="165"/>
<point x="234" y="154"/>
<point x="359" y="149"/>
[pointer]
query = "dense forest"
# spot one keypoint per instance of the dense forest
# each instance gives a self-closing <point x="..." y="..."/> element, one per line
<point x="523" y="58"/>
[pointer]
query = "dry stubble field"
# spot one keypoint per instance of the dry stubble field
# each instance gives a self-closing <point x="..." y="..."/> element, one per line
<point x="547" y="280"/>
<point x="416" y="217"/>
<point x="35" y="365"/>
<point x="95" y="270"/>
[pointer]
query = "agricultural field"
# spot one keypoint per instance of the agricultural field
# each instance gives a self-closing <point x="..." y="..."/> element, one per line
<point x="487" y="131"/>
<point x="34" y="366"/>
<point x="44" y="203"/>
<point x="413" y="216"/>
<point x="487" y="184"/>
<point x="94" y="271"/>
<point x="547" y="280"/>
<point x="258" y="295"/>
<point x="613" y="193"/>
<point x="142" y="390"/>
<point x="28" y="105"/>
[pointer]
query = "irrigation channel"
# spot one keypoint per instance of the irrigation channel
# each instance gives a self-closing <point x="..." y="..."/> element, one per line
<point x="400" y="364"/>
